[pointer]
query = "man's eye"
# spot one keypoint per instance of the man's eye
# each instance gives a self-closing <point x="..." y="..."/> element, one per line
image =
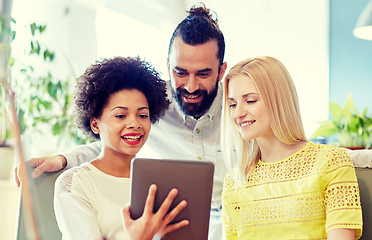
<point x="203" y="75"/>
<point x="180" y="74"/>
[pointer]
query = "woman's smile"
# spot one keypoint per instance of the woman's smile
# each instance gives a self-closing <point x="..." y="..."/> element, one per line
<point x="132" y="138"/>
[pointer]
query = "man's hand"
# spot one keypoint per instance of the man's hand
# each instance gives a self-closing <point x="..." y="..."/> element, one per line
<point x="154" y="224"/>
<point x="43" y="164"/>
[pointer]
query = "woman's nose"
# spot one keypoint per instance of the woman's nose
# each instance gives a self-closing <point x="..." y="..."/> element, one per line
<point x="239" y="111"/>
<point x="133" y="123"/>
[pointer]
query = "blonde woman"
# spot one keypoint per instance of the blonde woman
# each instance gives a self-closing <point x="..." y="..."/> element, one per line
<point x="280" y="185"/>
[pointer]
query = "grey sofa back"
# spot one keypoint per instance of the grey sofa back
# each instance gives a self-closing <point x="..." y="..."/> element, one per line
<point x="364" y="176"/>
<point x="42" y="191"/>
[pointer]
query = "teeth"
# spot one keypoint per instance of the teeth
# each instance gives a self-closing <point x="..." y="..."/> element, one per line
<point x="131" y="138"/>
<point x="247" y="123"/>
<point x="191" y="96"/>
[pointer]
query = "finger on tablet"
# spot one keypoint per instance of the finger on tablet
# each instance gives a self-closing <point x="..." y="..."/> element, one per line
<point x="167" y="202"/>
<point x="175" y="226"/>
<point x="175" y="211"/>
<point x="149" y="205"/>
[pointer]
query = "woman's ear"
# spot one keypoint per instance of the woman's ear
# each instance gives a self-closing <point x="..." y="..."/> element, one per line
<point x="94" y="125"/>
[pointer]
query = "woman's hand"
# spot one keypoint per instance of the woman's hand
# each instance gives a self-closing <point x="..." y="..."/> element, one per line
<point x="154" y="224"/>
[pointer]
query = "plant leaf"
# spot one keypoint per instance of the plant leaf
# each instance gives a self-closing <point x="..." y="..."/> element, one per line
<point x="335" y="110"/>
<point x="33" y="28"/>
<point x="42" y="28"/>
<point x="350" y="105"/>
<point x="326" y="129"/>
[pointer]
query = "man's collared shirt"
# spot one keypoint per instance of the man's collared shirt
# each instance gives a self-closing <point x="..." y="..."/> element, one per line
<point x="177" y="136"/>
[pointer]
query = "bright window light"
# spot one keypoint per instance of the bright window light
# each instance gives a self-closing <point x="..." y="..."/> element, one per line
<point x="120" y="35"/>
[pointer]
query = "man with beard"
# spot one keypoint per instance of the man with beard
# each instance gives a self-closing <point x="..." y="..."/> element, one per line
<point x="190" y="128"/>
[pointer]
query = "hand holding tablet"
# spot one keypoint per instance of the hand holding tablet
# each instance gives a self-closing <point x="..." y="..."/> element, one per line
<point x="192" y="179"/>
<point x="152" y="224"/>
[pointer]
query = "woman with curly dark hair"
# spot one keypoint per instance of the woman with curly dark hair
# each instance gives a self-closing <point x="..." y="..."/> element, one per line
<point x="116" y="101"/>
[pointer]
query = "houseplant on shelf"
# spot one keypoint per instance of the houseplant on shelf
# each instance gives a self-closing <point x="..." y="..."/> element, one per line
<point x="354" y="130"/>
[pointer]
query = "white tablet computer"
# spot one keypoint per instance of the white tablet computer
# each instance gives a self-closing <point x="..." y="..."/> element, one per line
<point x="194" y="181"/>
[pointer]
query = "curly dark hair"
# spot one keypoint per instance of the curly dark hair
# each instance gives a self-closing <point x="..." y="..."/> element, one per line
<point x="108" y="76"/>
<point x="199" y="27"/>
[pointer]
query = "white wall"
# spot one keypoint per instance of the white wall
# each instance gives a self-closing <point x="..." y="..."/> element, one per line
<point x="70" y="31"/>
<point x="294" y="31"/>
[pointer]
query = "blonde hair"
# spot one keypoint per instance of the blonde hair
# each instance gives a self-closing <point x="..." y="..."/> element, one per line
<point x="279" y="95"/>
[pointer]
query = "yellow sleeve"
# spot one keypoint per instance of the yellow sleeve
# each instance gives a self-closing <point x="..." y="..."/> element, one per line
<point x="343" y="209"/>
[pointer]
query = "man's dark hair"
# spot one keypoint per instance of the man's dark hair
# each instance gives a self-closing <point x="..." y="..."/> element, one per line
<point x="108" y="76"/>
<point x="198" y="28"/>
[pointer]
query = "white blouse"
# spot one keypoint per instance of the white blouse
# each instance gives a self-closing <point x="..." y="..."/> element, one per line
<point x="88" y="202"/>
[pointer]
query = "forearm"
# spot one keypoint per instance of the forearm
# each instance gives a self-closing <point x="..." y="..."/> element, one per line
<point x="81" y="154"/>
<point x="341" y="234"/>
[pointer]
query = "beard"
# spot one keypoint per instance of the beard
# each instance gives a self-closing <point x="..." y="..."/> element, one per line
<point x="195" y="110"/>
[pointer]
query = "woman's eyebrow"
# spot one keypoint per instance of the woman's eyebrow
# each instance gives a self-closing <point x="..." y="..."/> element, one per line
<point x="244" y="96"/>
<point x="249" y="94"/>
<point x="125" y="108"/>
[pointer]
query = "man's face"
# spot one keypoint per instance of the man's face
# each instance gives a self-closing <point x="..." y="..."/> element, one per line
<point x="194" y="75"/>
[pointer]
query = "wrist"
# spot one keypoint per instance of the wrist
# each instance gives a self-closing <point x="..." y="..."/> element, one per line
<point x="64" y="162"/>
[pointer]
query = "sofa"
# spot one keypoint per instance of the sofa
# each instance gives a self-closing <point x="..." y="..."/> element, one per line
<point x="42" y="190"/>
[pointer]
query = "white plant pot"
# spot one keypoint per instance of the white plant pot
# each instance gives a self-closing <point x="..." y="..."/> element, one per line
<point x="6" y="162"/>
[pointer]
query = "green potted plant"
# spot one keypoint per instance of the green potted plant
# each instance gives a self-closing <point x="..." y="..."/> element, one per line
<point x="44" y="103"/>
<point x="354" y="130"/>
